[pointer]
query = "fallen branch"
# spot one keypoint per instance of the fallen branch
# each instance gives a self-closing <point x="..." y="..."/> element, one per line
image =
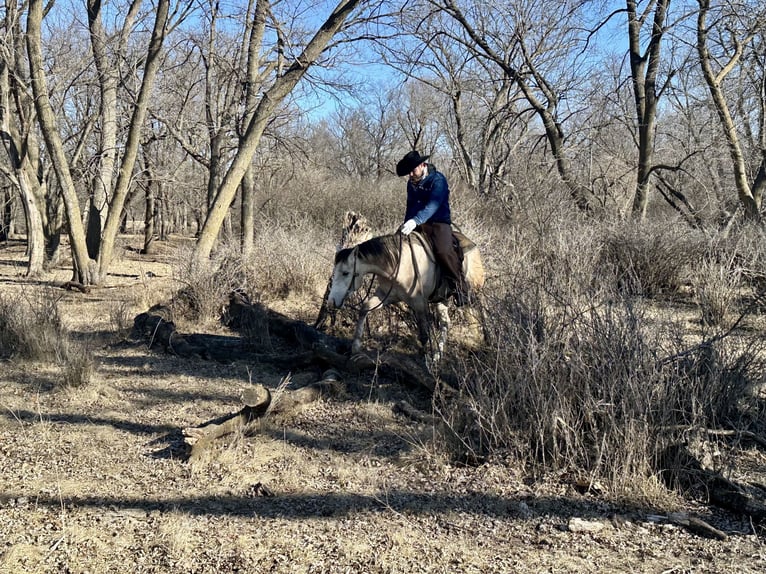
<point x="406" y="409"/>
<point x="258" y="402"/>
<point x="691" y="473"/>
<point x="696" y="525"/>
<point x="264" y="332"/>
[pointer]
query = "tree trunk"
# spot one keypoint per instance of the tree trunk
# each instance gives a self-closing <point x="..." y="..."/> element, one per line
<point x="85" y="271"/>
<point x="162" y="213"/>
<point x="5" y="213"/>
<point x="132" y="145"/>
<point x="108" y="79"/>
<point x="750" y="202"/>
<point x="247" y="226"/>
<point x="282" y="86"/>
<point x="643" y="70"/>
<point x="149" y="216"/>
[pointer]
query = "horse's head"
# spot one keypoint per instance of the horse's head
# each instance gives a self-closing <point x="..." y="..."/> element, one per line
<point x="346" y="278"/>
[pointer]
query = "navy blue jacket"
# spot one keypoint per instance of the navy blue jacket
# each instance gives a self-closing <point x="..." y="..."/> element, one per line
<point x="428" y="200"/>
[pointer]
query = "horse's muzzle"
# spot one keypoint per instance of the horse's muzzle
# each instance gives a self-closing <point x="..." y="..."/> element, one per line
<point x="335" y="301"/>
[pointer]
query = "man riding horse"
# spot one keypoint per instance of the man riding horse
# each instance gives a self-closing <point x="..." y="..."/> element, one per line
<point x="428" y="211"/>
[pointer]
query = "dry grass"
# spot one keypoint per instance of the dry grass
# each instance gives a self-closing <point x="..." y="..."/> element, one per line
<point x="580" y="375"/>
<point x="31" y="329"/>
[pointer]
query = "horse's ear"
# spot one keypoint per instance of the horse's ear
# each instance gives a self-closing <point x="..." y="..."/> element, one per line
<point x="343" y="254"/>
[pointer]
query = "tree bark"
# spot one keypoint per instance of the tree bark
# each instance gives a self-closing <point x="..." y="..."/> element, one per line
<point x="247" y="221"/>
<point x="35" y="235"/>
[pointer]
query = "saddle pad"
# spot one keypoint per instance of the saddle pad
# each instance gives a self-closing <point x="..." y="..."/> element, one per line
<point x="465" y="244"/>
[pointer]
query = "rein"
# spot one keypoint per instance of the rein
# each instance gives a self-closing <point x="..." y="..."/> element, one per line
<point x="395" y="273"/>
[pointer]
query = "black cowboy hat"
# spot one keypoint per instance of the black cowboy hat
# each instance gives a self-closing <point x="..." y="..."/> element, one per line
<point x="409" y="162"/>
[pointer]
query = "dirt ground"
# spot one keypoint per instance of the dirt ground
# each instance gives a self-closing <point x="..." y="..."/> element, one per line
<point x="92" y="481"/>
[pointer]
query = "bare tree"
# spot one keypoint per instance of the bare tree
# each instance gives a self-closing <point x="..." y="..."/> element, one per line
<point x="535" y="46"/>
<point x="285" y="80"/>
<point x="23" y="168"/>
<point x="88" y="270"/>
<point x="108" y="55"/>
<point x="478" y="112"/>
<point x="367" y="137"/>
<point x="644" y="70"/>
<point x="723" y="47"/>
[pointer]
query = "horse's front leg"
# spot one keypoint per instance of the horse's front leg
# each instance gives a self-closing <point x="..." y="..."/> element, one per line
<point x="374" y="302"/>
<point x="356" y="343"/>
<point x="444" y="324"/>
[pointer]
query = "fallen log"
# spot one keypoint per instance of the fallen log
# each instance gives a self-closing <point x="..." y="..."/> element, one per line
<point x="689" y="470"/>
<point x="270" y="337"/>
<point x="256" y="321"/>
<point x="157" y="326"/>
<point x="258" y="401"/>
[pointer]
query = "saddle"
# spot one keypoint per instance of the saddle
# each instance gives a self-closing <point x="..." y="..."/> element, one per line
<point x="462" y="245"/>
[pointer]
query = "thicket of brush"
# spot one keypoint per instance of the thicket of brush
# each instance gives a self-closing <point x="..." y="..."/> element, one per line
<point x="608" y="346"/>
<point x="607" y="342"/>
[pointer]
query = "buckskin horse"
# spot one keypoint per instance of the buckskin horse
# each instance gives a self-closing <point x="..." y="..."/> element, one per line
<point x="407" y="272"/>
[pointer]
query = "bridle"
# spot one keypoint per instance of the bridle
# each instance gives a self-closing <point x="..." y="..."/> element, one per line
<point x="394" y="274"/>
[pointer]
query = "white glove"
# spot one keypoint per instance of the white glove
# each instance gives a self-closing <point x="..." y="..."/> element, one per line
<point x="408" y="226"/>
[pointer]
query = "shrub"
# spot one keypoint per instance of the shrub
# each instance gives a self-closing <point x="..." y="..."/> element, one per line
<point x="717" y="285"/>
<point x="288" y="259"/>
<point x="649" y="260"/>
<point x="32" y="330"/>
<point x="599" y="390"/>
<point x="579" y="374"/>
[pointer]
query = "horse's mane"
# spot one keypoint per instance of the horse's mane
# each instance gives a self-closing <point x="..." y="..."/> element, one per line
<point x="385" y="248"/>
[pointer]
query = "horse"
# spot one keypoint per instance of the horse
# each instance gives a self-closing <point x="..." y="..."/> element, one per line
<point x="407" y="272"/>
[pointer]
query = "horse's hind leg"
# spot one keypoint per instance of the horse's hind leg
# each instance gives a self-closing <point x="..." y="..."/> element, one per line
<point x="444" y="324"/>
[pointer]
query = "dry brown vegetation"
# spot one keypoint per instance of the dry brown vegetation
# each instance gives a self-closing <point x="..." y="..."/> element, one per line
<point x="560" y="454"/>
